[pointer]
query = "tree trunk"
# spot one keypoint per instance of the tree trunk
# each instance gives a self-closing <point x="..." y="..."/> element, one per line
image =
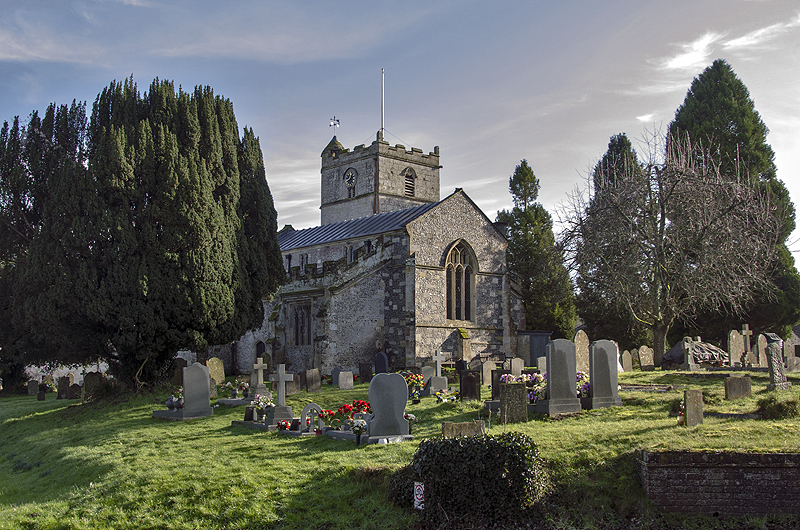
<point x="660" y="330"/>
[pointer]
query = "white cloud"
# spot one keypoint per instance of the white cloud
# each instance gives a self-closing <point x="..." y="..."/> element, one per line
<point x="645" y="118"/>
<point x="759" y="36"/>
<point x="694" y="54"/>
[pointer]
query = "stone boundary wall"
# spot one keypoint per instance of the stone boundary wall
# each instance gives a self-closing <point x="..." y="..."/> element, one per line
<point x="721" y="483"/>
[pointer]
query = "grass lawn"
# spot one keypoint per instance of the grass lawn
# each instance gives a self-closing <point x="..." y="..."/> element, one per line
<point x="68" y="464"/>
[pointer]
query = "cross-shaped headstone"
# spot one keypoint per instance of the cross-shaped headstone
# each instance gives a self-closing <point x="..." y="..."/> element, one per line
<point x="281" y="377"/>
<point x="259" y="368"/>
<point x="438" y="358"/>
<point x="746" y="337"/>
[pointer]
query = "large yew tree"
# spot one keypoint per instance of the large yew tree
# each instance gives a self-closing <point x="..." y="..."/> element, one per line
<point x="146" y="229"/>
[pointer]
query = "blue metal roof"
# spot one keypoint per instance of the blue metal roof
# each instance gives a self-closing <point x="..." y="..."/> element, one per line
<point x="361" y="227"/>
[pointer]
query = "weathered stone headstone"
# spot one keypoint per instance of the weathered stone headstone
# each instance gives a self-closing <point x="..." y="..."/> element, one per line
<point x="212" y="387"/>
<point x="40" y="396"/>
<point x="365" y="372"/>
<point x="381" y="363"/>
<point x="335" y="375"/>
<point x="470" y="385"/>
<point x="693" y="407"/>
<point x="760" y="348"/>
<point x="259" y="386"/>
<point x="486" y="372"/>
<point x="746" y="334"/>
<point x="735" y="346"/>
<point x="300" y="381"/>
<point x="438" y="359"/>
<point x="561" y="396"/>
<point x="627" y="361"/>
<point x="310" y="412"/>
<point x="793" y="364"/>
<point x="388" y="395"/>
<point x="292" y="387"/>
<point x="774" y="357"/>
<point x="581" y="341"/>
<point x="646" y="359"/>
<point x="33" y="388"/>
<point x="461" y="365"/>
<point x="738" y="387"/>
<point x="177" y="376"/>
<point x="196" y="395"/>
<point x="541" y="365"/>
<point x="313" y="380"/>
<point x="517" y="366"/>
<point x="74" y="391"/>
<point x="513" y="402"/>
<point x="788" y="349"/>
<point x="433" y="383"/>
<point x="346" y="380"/>
<point x="496" y="374"/>
<point x="635" y="357"/>
<point x="63" y="388"/>
<point x="470" y="428"/>
<point x="280" y="411"/>
<point x="216" y="369"/>
<point x="91" y="382"/>
<point x="603" y="381"/>
<point x="475" y="364"/>
<point x="427" y="373"/>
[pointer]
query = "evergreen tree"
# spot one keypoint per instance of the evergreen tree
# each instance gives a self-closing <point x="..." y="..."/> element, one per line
<point x="533" y="258"/>
<point x="157" y="231"/>
<point x="718" y="111"/>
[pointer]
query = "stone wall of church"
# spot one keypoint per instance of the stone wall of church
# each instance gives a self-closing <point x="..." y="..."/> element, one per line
<point x="394" y="160"/>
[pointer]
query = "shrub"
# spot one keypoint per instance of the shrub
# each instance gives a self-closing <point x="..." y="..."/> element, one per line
<point x="772" y="409"/>
<point x="490" y="478"/>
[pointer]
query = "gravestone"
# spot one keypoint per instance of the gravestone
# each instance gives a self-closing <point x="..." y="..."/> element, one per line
<point x="461" y="365"/>
<point x="40" y="396"/>
<point x="603" y="382"/>
<point x="689" y="361"/>
<point x="216" y="370"/>
<point x="774" y="357"/>
<point x="63" y="387"/>
<point x="788" y="349"/>
<point x="212" y="388"/>
<point x="475" y="364"/>
<point x="496" y="374"/>
<point x="313" y="380"/>
<point x="335" y="375"/>
<point x="427" y="372"/>
<point x="310" y="412"/>
<point x="581" y="341"/>
<point x="196" y="396"/>
<point x="486" y="372"/>
<point x="561" y="396"/>
<point x="541" y="365"/>
<point x="300" y="381"/>
<point x="91" y="382"/>
<point x="760" y="347"/>
<point x="627" y="361"/>
<point x="635" y="357"/>
<point x="365" y="372"/>
<point x="469" y="428"/>
<point x="513" y="402"/>
<point x="433" y="383"/>
<point x="738" y="387"/>
<point x="693" y="407"/>
<point x="517" y="366"/>
<point x="346" y="380"/>
<point x="793" y="364"/>
<point x="735" y="346"/>
<point x="438" y="359"/>
<point x="33" y="388"/>
<point x="177" y="376"/>
<point x="746" y="334"/>
<point x="74" y="391"/>
<point x="259" y="386"/>
<point x="469" y="385"/>
<point x="388" y="395"/>
<point x="646" y="359"/>
<point x="280" y="411"/>
<point x="381" y="363"/>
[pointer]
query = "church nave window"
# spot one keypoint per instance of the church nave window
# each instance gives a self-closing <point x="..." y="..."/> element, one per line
<point x="302" y="325"/>
<point x="460" y="282"/>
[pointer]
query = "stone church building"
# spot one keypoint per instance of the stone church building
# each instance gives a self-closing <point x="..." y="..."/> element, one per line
<point x="392" y="267"/>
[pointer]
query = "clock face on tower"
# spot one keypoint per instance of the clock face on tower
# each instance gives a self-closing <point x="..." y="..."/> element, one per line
<point x="350" y="177"/>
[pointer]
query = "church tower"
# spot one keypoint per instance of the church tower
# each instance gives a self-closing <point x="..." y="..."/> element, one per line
<point x="375" y="179"/>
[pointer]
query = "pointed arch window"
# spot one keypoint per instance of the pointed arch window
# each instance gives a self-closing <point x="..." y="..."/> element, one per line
<point x="460" y="270"/>
<point x="302" y="325"/>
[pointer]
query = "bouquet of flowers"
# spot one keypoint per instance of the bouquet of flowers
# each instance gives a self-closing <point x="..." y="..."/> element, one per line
<point x="326" y="415"/>
<point x="442" y="396"/>
<point x="358" y="427"/>
<point x="262" y="403"/>
<point x="414" y="379"/>
<point x="242" y="386"/>
<point x="178" y="394"/>
<point x="284" y="425"/>
<point x="582" y="384"/>
<point x="359" y="405"/>
<point x="410" y="417"/>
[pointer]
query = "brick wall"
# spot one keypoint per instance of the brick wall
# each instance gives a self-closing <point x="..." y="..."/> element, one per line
<point x="722" y="483"/>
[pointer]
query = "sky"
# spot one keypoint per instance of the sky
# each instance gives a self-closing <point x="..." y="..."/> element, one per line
<point x="490" y="83"/>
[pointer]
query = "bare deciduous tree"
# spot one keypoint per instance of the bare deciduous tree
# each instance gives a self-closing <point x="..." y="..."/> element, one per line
<point x="673" y="237"/>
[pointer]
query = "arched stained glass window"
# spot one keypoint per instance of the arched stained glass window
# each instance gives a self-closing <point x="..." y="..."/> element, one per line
<point x="460" y="284"/>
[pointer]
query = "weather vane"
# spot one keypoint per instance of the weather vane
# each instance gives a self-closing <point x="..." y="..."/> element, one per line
<point x="334" y="124"/>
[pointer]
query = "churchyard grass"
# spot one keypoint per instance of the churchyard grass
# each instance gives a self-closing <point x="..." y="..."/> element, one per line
<point x="66" y="464"/>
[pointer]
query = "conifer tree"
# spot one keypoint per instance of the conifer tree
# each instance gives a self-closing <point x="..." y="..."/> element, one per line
<point x="547" y="290"/>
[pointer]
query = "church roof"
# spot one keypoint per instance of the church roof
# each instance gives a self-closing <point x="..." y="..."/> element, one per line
<point x="361" y="227"/>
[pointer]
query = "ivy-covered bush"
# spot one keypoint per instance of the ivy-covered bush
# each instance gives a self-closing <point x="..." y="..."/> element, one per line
<point x="490" y="478"/>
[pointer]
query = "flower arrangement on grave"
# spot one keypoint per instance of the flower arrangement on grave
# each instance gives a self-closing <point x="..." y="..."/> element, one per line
<point x="538" y="387"/>
<point x="283" y="425"/>
<point x="231" y="387"/>
<point x="582" y="384"/>
<point x="242" y="386"/>
<point x="346" y="411"/>
<point x="262" y="403"/>
<point x="410" y="417"/>
<point x="443" y="396"/>
<point x="362" y="406"/>
<point x="178" y="394"/>
<point x="358" y="427"/>
<point x="682" y="413"/>
<point x="414" y="379"/>
<point x="326" y="415"/>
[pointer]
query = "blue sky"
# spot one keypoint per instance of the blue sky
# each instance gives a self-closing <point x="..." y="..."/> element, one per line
<point x="490" y="83"/>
